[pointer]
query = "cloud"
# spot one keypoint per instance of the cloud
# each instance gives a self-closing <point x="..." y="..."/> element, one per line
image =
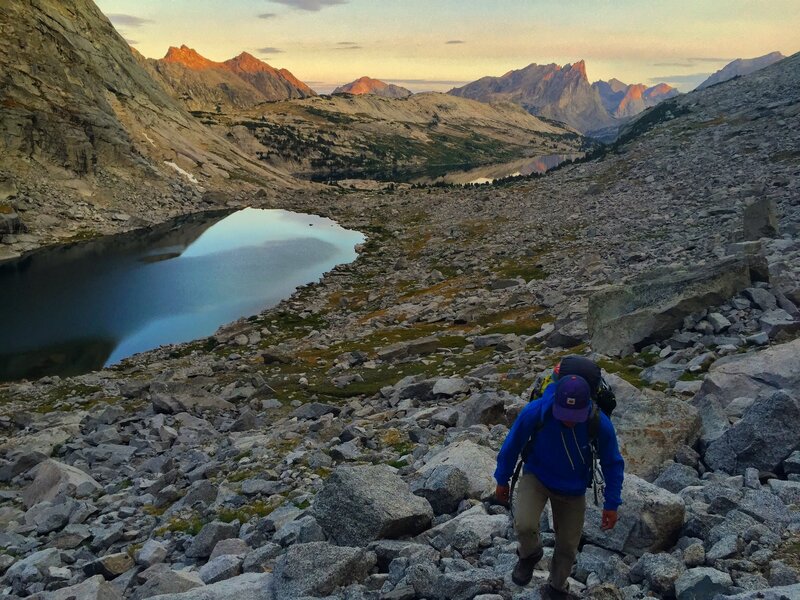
<point x="686" y="63"/>
<point x="455" y="42"/>
<point x="267" y="15"/>
<point x="128" y="20"/>
<point x="132" y="42"/>
<point x="694" y="77"/>
<point x="348" y="46"/>
<point x="310" y="5"/>
<point x="710" y="59"/>
<point x="270" y="50"/>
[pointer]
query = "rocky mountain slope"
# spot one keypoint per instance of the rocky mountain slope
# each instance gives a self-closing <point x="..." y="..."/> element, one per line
<point x="367" y="85"/>
<point x="368" y="136"/>
<point x="342" y="444"/>
<point x="740" y="67"/>
<point x="565" y="94"/>
<point x="89" y="142"/>
<point x="239" y="83"/>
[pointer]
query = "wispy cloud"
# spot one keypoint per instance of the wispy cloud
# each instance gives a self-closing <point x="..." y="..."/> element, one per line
<point x="311" y="5"/>
<point x="132" y="42"/>
<point x="270" y="50"/>
<point x="683" y="82"/>
<point x="687" y="63"/>
<point x="128" y="20"/>
<point x="455" y="42"/>
<point x="348" y="46"/>
<point x="267" y="15"/>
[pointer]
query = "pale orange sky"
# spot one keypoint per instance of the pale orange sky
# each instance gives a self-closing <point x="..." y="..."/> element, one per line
<point x="436" y="44"/>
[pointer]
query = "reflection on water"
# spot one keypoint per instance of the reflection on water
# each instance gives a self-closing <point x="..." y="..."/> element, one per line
<point x="73" y="309"/>
<point x="523" y="166"/>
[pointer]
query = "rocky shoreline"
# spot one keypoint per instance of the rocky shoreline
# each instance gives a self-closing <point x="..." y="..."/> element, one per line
<point x="342" y="444"/>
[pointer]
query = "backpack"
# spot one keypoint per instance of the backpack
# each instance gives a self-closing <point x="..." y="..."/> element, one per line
<point x="603" y="399"/>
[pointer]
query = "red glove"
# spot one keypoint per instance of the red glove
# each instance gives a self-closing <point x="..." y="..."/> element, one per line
<point x="502" y="494"/>
<point x="609" y="520"/>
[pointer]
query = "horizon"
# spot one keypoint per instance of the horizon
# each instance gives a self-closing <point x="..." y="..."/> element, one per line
<point x="327" y="43"/>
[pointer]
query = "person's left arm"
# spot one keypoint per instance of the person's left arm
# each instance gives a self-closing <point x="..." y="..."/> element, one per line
<point x="612" y="464"/>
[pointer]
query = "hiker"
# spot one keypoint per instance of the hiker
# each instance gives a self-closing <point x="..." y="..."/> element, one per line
<point x="563" y="426"/>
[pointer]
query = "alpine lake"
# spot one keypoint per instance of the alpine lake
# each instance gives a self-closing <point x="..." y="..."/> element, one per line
<point x="75" y="308"/>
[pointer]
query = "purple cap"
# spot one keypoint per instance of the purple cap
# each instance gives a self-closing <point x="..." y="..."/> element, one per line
<point x="572" y="399"/>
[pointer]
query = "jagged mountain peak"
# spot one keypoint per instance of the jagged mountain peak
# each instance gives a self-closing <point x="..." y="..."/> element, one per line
<point x="248" y="63"/>
<point x="188" y="57"/>
<point x="741" y="67"/>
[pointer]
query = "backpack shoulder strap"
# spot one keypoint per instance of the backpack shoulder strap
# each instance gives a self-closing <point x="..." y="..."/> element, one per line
<point x="594" y="424"/>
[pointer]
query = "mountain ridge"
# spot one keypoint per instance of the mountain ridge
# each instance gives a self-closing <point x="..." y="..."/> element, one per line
<point x="368" y="85"/>
<point x="741" y="67"/>
<point x="241" y="82"/>
<point x="564" y="93"/>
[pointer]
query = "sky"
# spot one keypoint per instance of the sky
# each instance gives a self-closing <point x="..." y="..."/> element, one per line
<point x="439" y="44"/>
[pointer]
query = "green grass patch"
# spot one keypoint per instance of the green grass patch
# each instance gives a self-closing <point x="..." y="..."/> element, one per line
<point x="257" y="509"/>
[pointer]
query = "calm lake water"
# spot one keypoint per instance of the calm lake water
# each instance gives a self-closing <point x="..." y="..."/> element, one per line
<point x="72" y="309"/>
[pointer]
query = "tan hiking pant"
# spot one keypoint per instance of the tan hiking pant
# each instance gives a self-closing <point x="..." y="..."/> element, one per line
<point x="567" y="522"/>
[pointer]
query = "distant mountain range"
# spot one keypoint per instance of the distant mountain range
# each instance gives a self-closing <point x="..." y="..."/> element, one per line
<point x="367" y="85"/>
<point x="239" y="83"/>
<point x="740" y="67"/>
<point x="565" y="94"/>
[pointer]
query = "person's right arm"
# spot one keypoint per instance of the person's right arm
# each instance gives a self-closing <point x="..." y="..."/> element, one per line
<point x="515" y="440"/>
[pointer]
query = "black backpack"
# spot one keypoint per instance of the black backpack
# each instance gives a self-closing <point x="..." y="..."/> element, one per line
<point x="603" y="399"/>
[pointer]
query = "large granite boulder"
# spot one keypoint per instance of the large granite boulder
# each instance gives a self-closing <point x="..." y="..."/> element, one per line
<point x="250" y="586"/>
<point x="57" y="479"/>
<point x="701" y="583"/>
<point x="318" y="568"/>
<point x="94" y="588"/>
<point x="360" y="504"/>
<point x="651" y="429"/>
<point x="746" y="376"/>
<point x="650" y="307"/>
<point x="470" y="531"/>
<point x="766" y="435"/>
<point x="650" y="519"/>
<point x="786" y="592"/>
<point x="477" y="462"/>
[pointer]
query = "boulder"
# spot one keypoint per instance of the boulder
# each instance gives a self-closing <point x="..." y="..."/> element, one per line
<point x="315" y="410"/>
<point x="746" y="376"/>
<point x="444" y="487"/>
<point x="211" y="533"/>
<point x="250" y="586"/>
<point x="702" y="583"/>
<point x="485" y="408"/>
<point x="56" y="479"/>
<point x="677" y="477"/>
<point x="651" y="429"/>
<point x="650" y="307"/>
<point x="151" y="553"/>
<point x="318" y="568"/>
<point x="360" y="504"/>
<point x="470" y="531"/>
<point x="476" y="461"/>
<point x="429" y="582"/>
<point x="425" y="345"/>
<point x="94" y="588"/>
<point x="786" y="592"/>
<point x="650" y="519"/>
<point x="109" y="566"/>
<point x="660" y="571"/>
<point x="221" y="568"/>
<point x="764" y="437"/>
<point x="760" y="219"/>
<point x="162" y="580"/>
<point x="450" y="386"/>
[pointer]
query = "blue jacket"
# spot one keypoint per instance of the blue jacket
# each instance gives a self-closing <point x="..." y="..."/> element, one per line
<point x="560" y="457"/>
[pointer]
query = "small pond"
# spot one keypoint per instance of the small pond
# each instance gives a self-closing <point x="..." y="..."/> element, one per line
<point x="71" y="309"/>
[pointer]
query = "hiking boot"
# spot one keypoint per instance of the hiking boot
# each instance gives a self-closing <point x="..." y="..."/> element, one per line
<point x="523" y="571"/>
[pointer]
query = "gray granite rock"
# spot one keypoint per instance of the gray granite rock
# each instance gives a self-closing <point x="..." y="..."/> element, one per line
<point x="360" y="504"/>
